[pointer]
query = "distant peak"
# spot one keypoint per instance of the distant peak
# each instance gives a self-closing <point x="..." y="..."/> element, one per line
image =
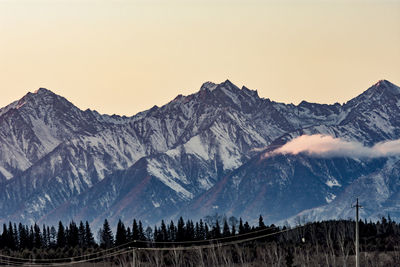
<point x="384" y="83"/>
<point x="42" y="90"/>
<point x="208" y="86"/>
<point x="228" y="83"/>
<point x="249" y="91"/>
<point x="304" y="103"/>
<point x="386" y="86"/>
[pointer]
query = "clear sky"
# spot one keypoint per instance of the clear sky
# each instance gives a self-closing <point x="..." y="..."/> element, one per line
<point x="126" y="56"/>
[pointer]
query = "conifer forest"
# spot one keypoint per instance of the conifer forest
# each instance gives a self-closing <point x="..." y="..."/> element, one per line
<point x="214" y="241"/>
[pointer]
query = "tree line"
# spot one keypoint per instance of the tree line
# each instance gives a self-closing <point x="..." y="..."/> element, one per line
<point x="80" y="235"/>
<point x="329" y="243"/>
<point x="21" y="237"/>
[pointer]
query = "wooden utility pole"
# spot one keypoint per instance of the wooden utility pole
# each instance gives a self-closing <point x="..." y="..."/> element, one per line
<point x="133" y="257"/>
<point x="357" y="206"/>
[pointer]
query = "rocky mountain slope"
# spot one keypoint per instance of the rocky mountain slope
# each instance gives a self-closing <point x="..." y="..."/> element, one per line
<point x="196" y="155"/>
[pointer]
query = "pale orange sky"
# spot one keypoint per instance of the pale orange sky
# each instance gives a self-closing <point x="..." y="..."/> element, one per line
<point x="126" y="56"/>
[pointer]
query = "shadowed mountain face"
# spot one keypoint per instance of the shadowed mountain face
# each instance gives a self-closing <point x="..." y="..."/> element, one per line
<point x="196" y="155"/>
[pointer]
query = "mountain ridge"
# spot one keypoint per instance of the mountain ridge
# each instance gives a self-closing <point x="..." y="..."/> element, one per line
<point x="184" y="148"/>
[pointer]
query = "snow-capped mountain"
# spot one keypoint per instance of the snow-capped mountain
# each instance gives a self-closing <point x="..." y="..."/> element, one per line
<point x="196" y="155"/>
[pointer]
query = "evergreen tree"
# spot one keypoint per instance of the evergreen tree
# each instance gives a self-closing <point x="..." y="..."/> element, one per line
<point x="89" y="239"/>
<point x="202" y="231"/>
<point x="171" y="231"/>
<point x="128" y="234"/>
<point x="217" y="230"/>
<point x="261" y="224"/>
<point x="233" y="221"/>
<point x="48" y="237"/>
<point x="189" y="230"/>
<point x="61" y="238"/>
<point x="180" y="232"/>
<point x="53" y="236"/>
<point x="73" y="235"/>
<point x="16" y="237"/>
<point x="23" y="236"/>
<point x="226" y="231"/>
<point x="135" y="230"/>
<point x="197" y="232"/>
<point x="207" y="232"/>
<point x="163" y="232"/>
<point x="44" y="241"/>
<point x="149" y="233"/>
<point x="37" y="240"/>
<point x="241" y="227"/>
<point x="10" y="237"/>
<point x="107" y="239"/>
<point x="233" y="231"/>
<point x="141" y="232"/>
<point x="157" y="235"/>
<point x="81" y="235"/>
<point x="246" y="227"/>
<point x="31" y="237"/>
<point x="120" y="237"/>
<point x="1" y="239"/>
<point x="4" y="237"/>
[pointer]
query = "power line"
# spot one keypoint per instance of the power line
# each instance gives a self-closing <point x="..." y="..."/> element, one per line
<point x="224" y="243"/>
<point x="134" y="242"/>
<point x="117" y="253"/>
<point x="128" y="250"/>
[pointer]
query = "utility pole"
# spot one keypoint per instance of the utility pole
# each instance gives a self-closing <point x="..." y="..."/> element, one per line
<point x="133" y="257"/>
<point x="357" y="206"/>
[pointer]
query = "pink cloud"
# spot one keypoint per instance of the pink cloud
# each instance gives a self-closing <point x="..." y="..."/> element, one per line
<point x="328" y="146"/>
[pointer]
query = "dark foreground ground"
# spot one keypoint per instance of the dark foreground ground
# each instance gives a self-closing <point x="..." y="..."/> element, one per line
<point x="328" y="243"/>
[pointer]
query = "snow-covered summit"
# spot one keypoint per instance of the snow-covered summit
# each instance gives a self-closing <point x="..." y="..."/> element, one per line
<point x="54" y="155"/>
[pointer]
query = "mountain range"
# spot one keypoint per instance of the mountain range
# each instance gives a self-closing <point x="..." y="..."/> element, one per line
<point x="198" y="155"/>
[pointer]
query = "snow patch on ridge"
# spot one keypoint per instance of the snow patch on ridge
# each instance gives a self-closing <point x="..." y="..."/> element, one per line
<point x="228" y="150"/>
<point x="332" y="182"/>
<point x="205" y="183"/>
<point x="155" y="204"/>
<point x="330" y="197"/>
<point x="169" y="177"/>
<point x="6" y="173"/>
<point x="232" y="96"/>
<point x="196" y="147"/>
<point x="45" y="134"/>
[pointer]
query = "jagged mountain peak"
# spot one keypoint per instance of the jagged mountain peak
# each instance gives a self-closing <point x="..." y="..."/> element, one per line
<point x="228" y="85"/>
<point x="208" y="86"/>
<point x="376" y="97"/>
<point x="253" y="93"/>
<point x="379" y="90"/>
<point x="189" y="145"/>
<point x="211" y="86"/>
<point x="386" y="86"/>
<point x="43" y="90"/>
<point x="32" y="100"/>
<point x="219" y="95"/>
<point x="43" y="97"/>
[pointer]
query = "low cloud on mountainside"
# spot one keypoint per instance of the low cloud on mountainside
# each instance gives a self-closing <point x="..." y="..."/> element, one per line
<point x="327" y="146"/>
